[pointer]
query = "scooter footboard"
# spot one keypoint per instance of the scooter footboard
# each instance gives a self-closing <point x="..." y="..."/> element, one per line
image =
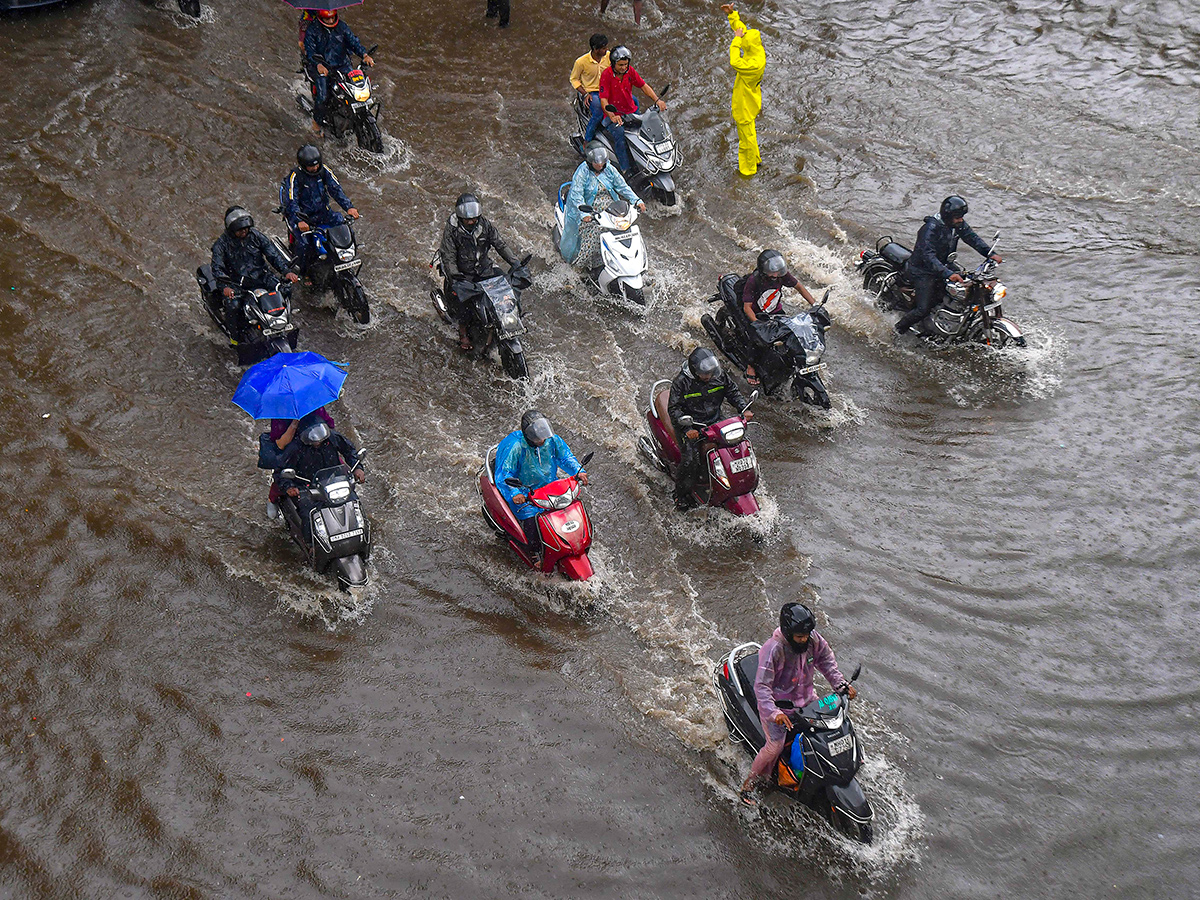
<point x="850" y="801"/>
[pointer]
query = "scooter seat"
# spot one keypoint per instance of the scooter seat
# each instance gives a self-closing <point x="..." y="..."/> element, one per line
<point x="661" y="399"/>
<point x="896" y="254"/>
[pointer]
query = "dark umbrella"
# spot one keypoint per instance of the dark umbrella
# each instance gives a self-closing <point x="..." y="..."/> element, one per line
<point x="316" y="5"/>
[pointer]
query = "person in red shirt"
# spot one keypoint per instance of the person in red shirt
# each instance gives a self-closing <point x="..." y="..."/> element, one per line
<point x="616" y="89"/>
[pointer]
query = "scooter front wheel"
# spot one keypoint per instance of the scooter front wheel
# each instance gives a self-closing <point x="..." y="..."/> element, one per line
<point x="634" y="295"/>
<point x="366" y="131"/>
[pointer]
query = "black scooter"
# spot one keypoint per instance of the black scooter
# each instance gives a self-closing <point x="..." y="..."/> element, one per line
<point x="818" y="766"/>
<point x="337" y="535"/>
<point x="796" y="344"/>
<point x="494" y="317"/>
<point x="266" y="325"/>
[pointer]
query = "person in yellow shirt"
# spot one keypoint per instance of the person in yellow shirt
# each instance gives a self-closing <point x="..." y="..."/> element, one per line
<point x="748" y="59"/>
<point x="585" y="78"/>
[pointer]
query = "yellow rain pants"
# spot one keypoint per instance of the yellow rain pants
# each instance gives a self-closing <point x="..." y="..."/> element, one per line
<point x="748" y="59"/>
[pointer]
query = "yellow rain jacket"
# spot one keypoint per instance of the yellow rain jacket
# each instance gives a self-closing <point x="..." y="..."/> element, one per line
<point x="748" y="59"/>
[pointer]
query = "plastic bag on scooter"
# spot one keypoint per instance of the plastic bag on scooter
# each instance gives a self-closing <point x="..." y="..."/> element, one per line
<point x="269" y="454"/>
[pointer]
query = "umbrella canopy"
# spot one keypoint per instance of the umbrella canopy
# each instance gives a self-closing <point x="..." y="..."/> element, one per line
<point x="315" y="5"/>
<point x="289" y="385"/>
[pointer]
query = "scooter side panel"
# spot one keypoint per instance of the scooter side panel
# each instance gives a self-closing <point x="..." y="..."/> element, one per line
<point x="499" y="509"/>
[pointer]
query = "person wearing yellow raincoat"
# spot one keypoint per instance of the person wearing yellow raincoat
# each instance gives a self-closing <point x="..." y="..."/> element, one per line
<point x="748" y="59"/>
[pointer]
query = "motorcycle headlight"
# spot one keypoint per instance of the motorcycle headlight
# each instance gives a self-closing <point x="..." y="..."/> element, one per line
<point x="999" y="292"/>
<point x="812" y="357"/>
<point x="510" y="322"/>
<point x="346" y="255"/>
<point x="362" y="93"/>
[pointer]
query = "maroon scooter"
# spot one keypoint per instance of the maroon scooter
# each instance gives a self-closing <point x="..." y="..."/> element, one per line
<point x="732" y="466"/>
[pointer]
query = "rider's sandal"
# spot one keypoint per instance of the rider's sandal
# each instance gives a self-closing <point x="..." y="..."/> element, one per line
<point x="747" y="797"/>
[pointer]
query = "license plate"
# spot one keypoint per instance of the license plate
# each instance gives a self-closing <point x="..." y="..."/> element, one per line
<point x="351" y="534"/>
<point x="741" y="465"/>
<point x="272" y="332"/>
<point x="342" y="267"/>
<point x="808" y="370"/>
<point x="841" y="745"/>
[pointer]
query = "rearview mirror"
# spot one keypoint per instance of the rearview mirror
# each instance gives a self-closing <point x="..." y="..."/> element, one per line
<point x="857" y="672"/>
<point x="513" y="482"/>
<point x="288" y="474"/>
<point x="686" y="421"/>
<point x="608" y="107"/>
<point x="525" y="261"/>
<point x="587" y="457"/>
<point x="753" y="397"/>
<point x="362" y="454"/>
<point x="825" y="296"/>
<point x="584" y="208"/>
<point x="663" y="93"/>
<point x="371" y="52"/>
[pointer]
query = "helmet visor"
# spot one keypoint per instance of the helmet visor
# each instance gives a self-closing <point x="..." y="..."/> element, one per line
<point x="315" y="434"/>
<point x="597" y="157"/>
<point x="469" y="209"/>
<point x="538" y="431"/>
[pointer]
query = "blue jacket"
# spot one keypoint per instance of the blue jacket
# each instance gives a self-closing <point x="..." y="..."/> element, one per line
<point x="303" y="195"/>
<point x="935" y="242"/>
<point x="334" y="44"/>
<point x="585" y="184"/>
<point x="535" y="467"/>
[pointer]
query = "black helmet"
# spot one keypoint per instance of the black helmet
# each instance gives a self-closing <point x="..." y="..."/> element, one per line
<point x="236" y="218"/>
<point x="771" y="264"/>
<point x="796" y="618"/>
<point x="703" y="362"/>
<point x="536" y="428"/>
<point x="953" y="207"/>
<point x="618" y="53"/>
<point x="315" y="435"/>
<point x="308" y="155"/>
<point x="467" y="207"/>
<point x="595" y="154"/>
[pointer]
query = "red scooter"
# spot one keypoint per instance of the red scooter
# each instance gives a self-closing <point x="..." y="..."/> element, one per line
<point x="563" y="524"/>
<point x="732" y="467"/>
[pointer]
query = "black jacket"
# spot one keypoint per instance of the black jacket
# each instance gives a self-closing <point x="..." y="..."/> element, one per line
<point x="308" y="461"/>
<point x="692" y="397"/>
<point x="234" y="259"/>
<point x="935" y="242"/>
<point x="465" y="253"/>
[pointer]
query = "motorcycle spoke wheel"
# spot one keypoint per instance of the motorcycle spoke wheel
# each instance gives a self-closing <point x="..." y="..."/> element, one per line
<point x="361" y="310"/>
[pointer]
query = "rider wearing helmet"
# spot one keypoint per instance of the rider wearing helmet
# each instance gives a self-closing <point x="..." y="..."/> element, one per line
<point x="328" y="44"/>
<point x="592" y="177"/>
<point x="928" y="268"/>
<point x="616" y="89"/>
<point x="240" y="259"/>
<point x="762" y="296"/>
<point x="786" y="664"/>
<point x="466" y="241"/>
<point x="534" y="455"/>
<point x="699" y="390"/>
<point x="319" y="447"/>
<point x="304" y="196"/>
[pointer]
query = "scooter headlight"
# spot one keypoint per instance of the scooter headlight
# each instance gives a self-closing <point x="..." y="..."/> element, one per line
<point x="718" y="470"/>
<point x="620" y="223"/>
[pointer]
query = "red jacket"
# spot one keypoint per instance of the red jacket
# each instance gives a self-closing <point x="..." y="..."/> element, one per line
<point x="619" y="90"/>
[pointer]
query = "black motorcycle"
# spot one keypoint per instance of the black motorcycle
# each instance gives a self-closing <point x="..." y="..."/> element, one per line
<point x="970" y="310"/>
<point x="260" y="326"/>
<point x="823" y="754"/>
<point x="781" y="348"/>
<point x="494" y="312"/>
<point x="350" y="105"/>
<point x="335" y="265"/>
<point x="337" y="534"/>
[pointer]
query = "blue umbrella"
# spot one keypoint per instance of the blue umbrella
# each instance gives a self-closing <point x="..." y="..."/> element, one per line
<point x="289" y="385"/>
<point x="315" y="5"/>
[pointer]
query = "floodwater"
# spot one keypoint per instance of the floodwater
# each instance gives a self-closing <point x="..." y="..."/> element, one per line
<point x="1006" y="540"/>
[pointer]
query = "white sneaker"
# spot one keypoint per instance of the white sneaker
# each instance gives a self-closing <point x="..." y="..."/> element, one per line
<point x="272" y="510"/>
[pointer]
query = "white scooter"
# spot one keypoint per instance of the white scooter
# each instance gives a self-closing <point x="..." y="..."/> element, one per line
<point x="622" y="251"/>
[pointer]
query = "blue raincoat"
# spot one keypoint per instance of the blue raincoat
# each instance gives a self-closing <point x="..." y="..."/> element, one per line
<point x="535" y="467"/>
<point x="585" y="184"/>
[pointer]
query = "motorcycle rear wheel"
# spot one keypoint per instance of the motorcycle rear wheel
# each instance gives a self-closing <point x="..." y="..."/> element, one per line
<point x="513" y="361"/>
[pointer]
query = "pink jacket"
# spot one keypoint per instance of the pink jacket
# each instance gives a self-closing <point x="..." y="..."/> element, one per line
<point x="785" y="675"/>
